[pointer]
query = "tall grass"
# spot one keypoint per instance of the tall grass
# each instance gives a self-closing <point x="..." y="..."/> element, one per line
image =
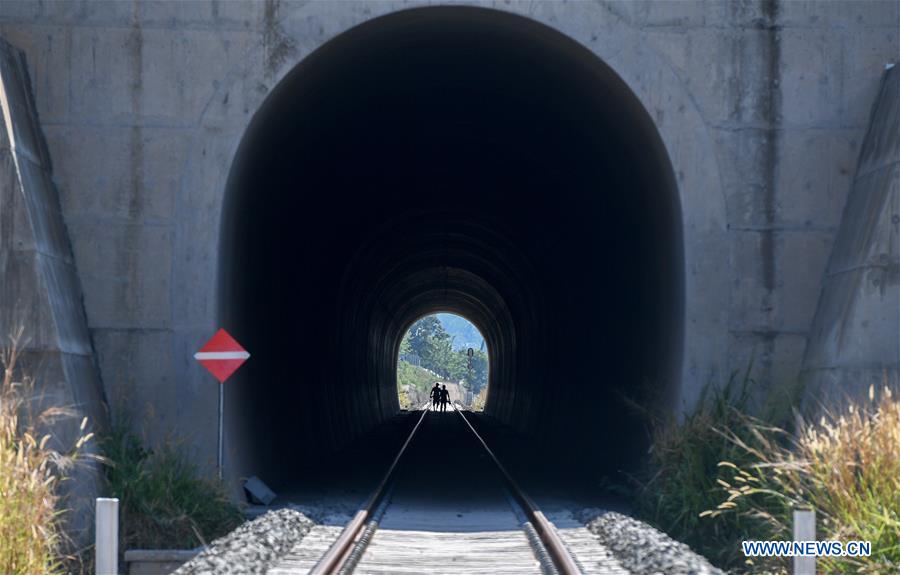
<point x="31" y="535"/>
<point x="164" y="499"/>
<point x="846" y="466"/>
<point x="679" y="480"/>
<point x="403" y="397"/>
<point x="480" y="400"/>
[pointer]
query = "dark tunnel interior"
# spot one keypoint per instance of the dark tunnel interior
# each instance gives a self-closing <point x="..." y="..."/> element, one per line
<point x="455" y="159"/>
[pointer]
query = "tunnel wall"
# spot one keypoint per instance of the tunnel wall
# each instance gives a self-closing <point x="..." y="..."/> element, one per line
<point x="41" y="309"/>
<point x="855" y="340"/>
<point x="452" y="158"/>
<point x="761" y="108"/>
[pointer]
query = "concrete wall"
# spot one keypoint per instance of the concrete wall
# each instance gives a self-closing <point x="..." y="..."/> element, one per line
<point x="761" y="105"/>
<point x="855" y="340"/>
<point x="40" y="292"/>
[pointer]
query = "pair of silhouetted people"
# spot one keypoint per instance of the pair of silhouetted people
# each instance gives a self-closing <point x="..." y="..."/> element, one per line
<point x="439" y="397"/>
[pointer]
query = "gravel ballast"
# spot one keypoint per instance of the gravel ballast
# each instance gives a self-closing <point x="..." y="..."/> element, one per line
<point x="642" y="549"/>
<point x="252" y="547"/>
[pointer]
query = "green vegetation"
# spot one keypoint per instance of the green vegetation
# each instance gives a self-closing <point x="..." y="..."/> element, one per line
<point x="413" y="384"/>
<point x="413" y="377"/>
<point x="846" y="467"/>
<point x="164" y="501"/>
<point x="31" y="534"/>
<point x="428" y="339"/>
<point x="679" y="482"/>
<point x="480" y="400"/>
<point x="721" y="476"/>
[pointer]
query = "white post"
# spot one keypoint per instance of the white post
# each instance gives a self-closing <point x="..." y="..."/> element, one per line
<point x="804" y="530"/>
<point x="106" y="545"/>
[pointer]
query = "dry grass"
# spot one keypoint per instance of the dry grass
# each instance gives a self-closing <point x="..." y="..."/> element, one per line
<point x="480" y="400"/>
<point x="678" y="481"/>
<point x="846" y="466"/>
<point x="31" y="538"/>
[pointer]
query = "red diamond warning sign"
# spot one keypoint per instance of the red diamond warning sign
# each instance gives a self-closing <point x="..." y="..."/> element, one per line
<point x="222" y="355"/>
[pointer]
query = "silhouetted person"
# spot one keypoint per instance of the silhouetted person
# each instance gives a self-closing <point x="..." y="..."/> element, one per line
<point x="445" y="398"/>
<point x="435" y="395"/>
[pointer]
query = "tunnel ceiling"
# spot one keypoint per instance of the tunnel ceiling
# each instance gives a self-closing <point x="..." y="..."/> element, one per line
<point x="456" y="159"/>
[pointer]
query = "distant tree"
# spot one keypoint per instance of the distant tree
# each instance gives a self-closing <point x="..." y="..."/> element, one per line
<point x="405" y="347"/>
<point x="428" y="339"/>
<point x="476" y="378"/>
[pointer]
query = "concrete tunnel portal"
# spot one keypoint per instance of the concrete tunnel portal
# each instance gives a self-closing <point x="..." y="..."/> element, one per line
<point x="450" y="159"/>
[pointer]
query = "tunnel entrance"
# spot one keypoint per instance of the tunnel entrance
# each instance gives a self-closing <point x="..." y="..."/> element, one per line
<point x="458" y="159"/>
<point x="444" y="350"/>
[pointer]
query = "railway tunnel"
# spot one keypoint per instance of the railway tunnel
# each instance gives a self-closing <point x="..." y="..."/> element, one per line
<point x="450" y="159"/>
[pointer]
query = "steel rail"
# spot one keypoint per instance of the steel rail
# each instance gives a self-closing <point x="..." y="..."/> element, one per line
<point x="545" y="529"/>
<point x="333" y="560"/>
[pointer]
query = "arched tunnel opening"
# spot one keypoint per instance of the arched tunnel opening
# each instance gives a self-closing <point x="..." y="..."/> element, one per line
<point x="456" y="159"/>
<point x="443" y="360"/>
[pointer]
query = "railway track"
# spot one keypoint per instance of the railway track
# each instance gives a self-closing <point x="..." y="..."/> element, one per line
<point x="483" y="522"/>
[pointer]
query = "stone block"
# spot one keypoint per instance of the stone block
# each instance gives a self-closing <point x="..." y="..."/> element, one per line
<point x="24" y="303"/>
<point x="15" y="228"/>
<point x="137" y="374"/>
<point x="181" y="92"/>
<point x="197" y="410"/>
<point x="753" y="299"/>
<point x="20" y="10"/>
<point x="774" y="358"/>
<point x="859" y="14"/>
<point x="125" y="271"/>
<point x="748" y="167"/>
<point x="857" y="322"/>
<point x="802" y="257"/>
<point x="238" y="14"/>
<point x="866" y="52"/>
<point x="644" y="13"/>
<point x="48" y="232"/>
<point x="780" y="295"/>
<point x="94" y="12"/>
<point x="172" y="15"/>
<point x="89" y="399"/>
<point x="815" y="197"/>
<point x="164" y="76"/>
<point x="61" y="283"/>
<point x="157" y="561"/>
<point x="25" y="137"/>
<point x="41" y="296"/>
<point x="199" y="212"/>
<point x="812" y="67"/>
<point x="118" y="172"/>
<point x="731" y="87"/>
<point x="70" y="13"/>
<point x="47" y="57"/>
<point x="882" y="147"/>
<point x="106" y="82"/>
<point x="869" y="231"/>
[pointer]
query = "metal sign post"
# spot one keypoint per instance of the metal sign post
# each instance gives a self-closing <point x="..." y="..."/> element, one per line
<point x="222" y="356"/>
<point x="221" y="457"/>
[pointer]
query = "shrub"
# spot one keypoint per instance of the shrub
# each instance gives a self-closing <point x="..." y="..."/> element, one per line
<point x="413" y="377"/>
<point x="846" y="466"/>
<point x="480" y="400"/>
<point x="678" y="482"/>
<point x="403" y="396"/>
<point x="163" y="499"/>
<point x="31" y="535"/>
